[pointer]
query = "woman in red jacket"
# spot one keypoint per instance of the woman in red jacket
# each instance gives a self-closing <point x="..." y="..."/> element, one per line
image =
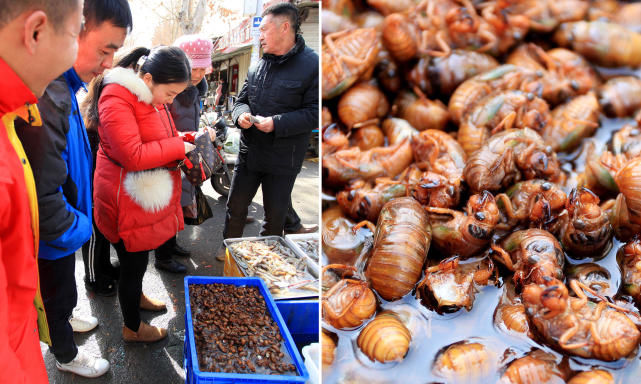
<point x="137" y="184"/>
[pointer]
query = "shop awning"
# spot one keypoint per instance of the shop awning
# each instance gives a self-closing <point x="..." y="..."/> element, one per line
<point x="231" y="52"/>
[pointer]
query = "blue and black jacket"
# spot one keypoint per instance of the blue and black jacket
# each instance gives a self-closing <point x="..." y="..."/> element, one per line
<point x="61" y="160"/>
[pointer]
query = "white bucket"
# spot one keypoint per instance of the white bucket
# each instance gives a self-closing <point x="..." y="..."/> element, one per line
<point x="312" y="362"/>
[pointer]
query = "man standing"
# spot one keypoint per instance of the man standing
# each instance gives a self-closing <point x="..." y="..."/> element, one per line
<point x="277" y="110"/>
<point x="39" y="42"/>
<point x="62" y="163"/>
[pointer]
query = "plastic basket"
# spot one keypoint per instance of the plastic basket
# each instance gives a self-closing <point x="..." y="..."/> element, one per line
<point x="192" y="371"/>
<point x="292" y="239"/>
<point x="301" y="319"/>
<point x="232" y="267"/>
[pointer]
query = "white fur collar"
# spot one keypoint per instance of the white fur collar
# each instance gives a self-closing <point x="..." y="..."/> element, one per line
<point x="130" y="80"/>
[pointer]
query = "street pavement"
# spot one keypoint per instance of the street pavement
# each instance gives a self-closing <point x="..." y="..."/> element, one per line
<point x="162" y="362"/>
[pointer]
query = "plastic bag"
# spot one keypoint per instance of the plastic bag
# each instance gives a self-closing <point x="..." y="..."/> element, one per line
<point x="232" y="144"/>
<point x="203" y="210"/>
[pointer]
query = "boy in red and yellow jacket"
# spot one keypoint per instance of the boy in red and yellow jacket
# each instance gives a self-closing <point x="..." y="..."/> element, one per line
<point x="30" y="29"/>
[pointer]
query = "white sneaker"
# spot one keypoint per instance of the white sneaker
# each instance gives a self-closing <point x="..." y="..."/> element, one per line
<point x="85" y="365"/>
<point x="83" y="324"/>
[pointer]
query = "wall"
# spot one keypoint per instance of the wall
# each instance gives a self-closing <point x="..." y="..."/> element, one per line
<point x="243" y="61"/>
<point x="310" y="30"/>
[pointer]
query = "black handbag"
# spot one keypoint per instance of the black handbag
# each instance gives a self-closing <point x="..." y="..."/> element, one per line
<point x="200" y="163"/>
<point x="202" y="207"/>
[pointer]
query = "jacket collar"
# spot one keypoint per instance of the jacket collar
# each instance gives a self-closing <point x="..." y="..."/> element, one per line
<point x="129" y="79"/>
<point x="299" y="45"/>
<point x="15" y="93"/>
<point x="74" y="81"/>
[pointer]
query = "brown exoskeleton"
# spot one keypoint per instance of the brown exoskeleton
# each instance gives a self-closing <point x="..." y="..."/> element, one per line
<point x="585" y="230"/>
<point x="537" y="203"/>
<point x="533" y="254"/>
<point x="578" y="326"/>
<point x="465" y="233"/>
<point x="511" y="156"/>
<point x="348" y="303"/>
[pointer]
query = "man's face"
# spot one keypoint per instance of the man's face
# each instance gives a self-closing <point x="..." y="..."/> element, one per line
<point x="270" y="34"/>
<point x="97" y="48"/>
<point x="197" y="75"/>
<point x="60" y="48"/>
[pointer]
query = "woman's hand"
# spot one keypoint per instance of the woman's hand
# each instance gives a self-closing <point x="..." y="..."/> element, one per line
<point x="212" y="133"/>
<point x="188" y="147"/>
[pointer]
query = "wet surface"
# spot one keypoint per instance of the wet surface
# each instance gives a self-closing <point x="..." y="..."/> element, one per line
<point x="433" y="332"/>
<point x="162" y="362"/>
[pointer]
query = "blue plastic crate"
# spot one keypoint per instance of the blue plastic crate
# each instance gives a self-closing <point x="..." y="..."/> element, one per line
<point x="301" y="318"/>
<point x="193" y="375"/>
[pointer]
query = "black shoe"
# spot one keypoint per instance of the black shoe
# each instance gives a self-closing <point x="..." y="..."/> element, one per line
<point x="303" y="229"/>
<point x="170" y="265"/>
<point x="105" y="289"/>
<point x="180" y="251"/>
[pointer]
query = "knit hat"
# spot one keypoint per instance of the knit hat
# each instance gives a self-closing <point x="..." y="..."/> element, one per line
<point x="197" y="48"/>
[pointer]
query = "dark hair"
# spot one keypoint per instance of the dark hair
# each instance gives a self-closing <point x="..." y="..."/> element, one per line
<point x="57" y="11"/>
<point x="165" y="64"/>
<point x="288" y="10"/>
<point x="117" y="12"/>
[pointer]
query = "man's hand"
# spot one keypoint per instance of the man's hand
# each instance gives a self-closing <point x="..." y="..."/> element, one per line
<point x="243" y="120"/>
<point x="266" y="124"/>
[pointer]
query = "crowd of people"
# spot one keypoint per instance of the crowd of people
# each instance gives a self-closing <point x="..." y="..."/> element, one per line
<point x="104" y="172"/>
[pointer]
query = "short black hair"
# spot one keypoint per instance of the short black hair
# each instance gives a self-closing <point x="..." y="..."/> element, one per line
<point x="117" y="12"/>
<point x="56" y="10"/>
<point x="288" y="10"/>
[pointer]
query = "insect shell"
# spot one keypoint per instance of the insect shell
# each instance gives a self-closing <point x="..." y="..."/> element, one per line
<point x="401" y="242"/>
<point x="346" y="56"/>
<point x="385" y="338"/>
<point x="465" y="362"/>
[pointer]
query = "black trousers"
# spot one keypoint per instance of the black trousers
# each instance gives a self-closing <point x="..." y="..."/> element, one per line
<point x="132" y="269"/>
<point x="59" y="295"/>
<point x="165" y="251"/>
<point x="276" y="190"/>
<point x="96" y="257"/>
<point x="96" y="252"/>
<point x="292" y="221"/>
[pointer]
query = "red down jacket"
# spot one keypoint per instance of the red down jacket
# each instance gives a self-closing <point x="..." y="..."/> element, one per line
<point x="20" y="355"/>
<point x="136" y="198"/>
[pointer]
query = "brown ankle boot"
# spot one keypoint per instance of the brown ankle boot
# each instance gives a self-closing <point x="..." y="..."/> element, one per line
<point x="146" y="333"/>
<point x="150" y="304"/>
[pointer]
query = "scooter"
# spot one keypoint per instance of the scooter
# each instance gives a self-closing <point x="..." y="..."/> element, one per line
<point x="222" y="175"/>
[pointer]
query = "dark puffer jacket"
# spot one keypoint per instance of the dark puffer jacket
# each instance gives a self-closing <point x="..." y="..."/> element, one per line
<point x="285" y="88"/>
<point x="60" y="157"/>
<point x="185" y="110"/>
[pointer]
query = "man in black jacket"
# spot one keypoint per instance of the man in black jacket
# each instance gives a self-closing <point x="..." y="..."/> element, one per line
<point x="277" y="109"/>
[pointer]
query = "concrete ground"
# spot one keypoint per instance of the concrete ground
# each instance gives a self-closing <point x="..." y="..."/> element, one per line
<point x="162" y="362"/>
